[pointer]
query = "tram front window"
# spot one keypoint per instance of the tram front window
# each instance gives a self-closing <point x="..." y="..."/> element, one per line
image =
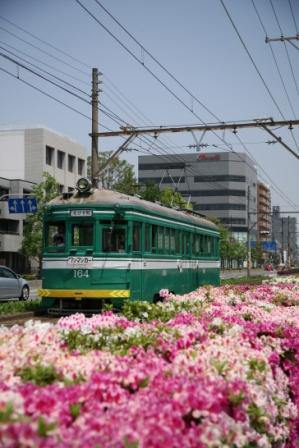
<point x="56" y="234"/>
<point x="82" y="234"/>
<point x="114" y="240"/>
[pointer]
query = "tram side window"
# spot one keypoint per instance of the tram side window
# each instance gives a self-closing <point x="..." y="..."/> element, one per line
<point x="195" y="244"/>
<point x="172" y="241"/>
<point x="147" y="236"/>
<point x="160" y="239"/>
<point x="82" y="234"/>
<point x="56" y="234"/>
<point x="166" y="240"/>
<point x="154" y="238"/>
<point x="209" y="245"/>
<point x="136" y="237"/>
<point x="114" y="240"/>
<point x="178" y="242"/>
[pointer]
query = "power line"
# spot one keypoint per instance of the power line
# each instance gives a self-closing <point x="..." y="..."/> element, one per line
<point x="43" y="51"/>
<point x="293" y="16"/>
<point x="43" y="63"/>
<point x="286" y="49"/>
<point x="275" y="60"/>
<point x="150" y="71"/>
<point x="45" y="42"/>
<point x="43" y="70"/>
<point x="251" y="58"/>
<point x="157" y="61"/>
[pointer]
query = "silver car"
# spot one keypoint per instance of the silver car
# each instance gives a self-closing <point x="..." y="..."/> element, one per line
<point x="12" y="285"/>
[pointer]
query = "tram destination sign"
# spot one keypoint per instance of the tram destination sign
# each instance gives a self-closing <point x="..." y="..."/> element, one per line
<point x="22" y="205"/>
<point x="82" y="212"/>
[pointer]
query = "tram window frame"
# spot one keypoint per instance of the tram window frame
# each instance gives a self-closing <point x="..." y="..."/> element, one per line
<point x="59" y="233"/>
<point x="82" y="224"/>
<point x="209" y="245"/>
<point x="119" y="244"/>
<point x="166" y="240"/>
<point x="160" y="241"/>
<point x="172" y="241"/>
<point x="178" y="242"/>
<point x="154" y="238"/>
<point x="136" y="242"/>
<point x="147" y="237"/>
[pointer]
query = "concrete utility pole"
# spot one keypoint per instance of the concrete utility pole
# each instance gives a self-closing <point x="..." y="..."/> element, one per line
<point x="95" y="129"/>
<point x="289" y="261"/>
<point x="248" y="233"/>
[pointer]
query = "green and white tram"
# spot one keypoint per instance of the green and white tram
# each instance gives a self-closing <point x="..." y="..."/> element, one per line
<point x="100" y="245"/>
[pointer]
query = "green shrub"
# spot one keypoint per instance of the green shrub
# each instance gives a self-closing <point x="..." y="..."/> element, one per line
<point x="18" y="307"/>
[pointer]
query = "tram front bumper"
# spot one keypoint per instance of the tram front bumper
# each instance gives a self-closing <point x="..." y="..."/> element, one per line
<point x="85" y="293"/>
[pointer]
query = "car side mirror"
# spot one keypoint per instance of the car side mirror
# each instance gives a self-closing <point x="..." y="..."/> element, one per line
<point x="18" y="275"/>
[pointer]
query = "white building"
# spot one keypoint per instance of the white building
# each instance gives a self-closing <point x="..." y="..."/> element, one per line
<point x="25" y="154"/>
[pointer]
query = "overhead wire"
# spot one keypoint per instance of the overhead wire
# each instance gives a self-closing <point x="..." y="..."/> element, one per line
<point x="60" y="61"/>
<point x="59" y="50"/>
<point x="275" y="59"/>
<point x="150" y="71"/>
<point x="293" y="16"/>
<point x="285" y="47"/>
<point x="43" y="51"/>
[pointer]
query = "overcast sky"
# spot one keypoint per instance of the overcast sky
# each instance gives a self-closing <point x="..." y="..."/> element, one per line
<point x="195" y="40"/>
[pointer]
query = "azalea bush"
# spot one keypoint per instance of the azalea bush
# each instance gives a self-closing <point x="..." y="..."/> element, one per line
<point x="217" y="367"/>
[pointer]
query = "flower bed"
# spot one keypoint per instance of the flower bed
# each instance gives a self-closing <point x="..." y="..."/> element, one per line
<point x="214" y="368"/>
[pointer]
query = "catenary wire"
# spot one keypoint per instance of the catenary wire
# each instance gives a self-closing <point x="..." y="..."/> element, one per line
<point x="285" y="46"/>
<point x="293" y="16"/>
<point x="44" y="42"/>
<point x="43" y="51"/>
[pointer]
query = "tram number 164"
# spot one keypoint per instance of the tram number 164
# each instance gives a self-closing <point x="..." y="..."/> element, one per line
<point x="80" y="273"/>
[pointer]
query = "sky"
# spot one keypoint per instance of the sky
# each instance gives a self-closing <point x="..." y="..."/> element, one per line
<point x="215" y="48"/>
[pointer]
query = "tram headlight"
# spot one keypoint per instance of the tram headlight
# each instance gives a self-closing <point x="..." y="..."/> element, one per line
<point x="83" y="185"/>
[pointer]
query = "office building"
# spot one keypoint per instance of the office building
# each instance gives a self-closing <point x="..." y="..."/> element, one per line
<point x="284" y="231"/>
<point x="25" y="154"/>
<point x="219" y="184"/>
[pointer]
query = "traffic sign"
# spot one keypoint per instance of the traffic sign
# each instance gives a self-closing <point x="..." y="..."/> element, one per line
<point x="22" y="205"/>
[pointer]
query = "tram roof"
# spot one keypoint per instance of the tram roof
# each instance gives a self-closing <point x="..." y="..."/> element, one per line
<point x="109" y="197"/>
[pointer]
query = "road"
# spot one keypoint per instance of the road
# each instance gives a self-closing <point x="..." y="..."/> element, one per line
<point x="35" y="285"/>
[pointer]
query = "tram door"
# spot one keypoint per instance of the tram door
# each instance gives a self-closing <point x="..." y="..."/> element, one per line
<point x="137" y="262"/>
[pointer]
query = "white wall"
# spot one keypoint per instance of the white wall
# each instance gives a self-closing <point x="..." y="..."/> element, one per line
<point x="12" y="155"/>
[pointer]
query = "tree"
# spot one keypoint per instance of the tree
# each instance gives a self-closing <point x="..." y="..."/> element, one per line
<point x="171" y="198"/>
<point x="118" y="175"/>
<point x="33" y="227"/>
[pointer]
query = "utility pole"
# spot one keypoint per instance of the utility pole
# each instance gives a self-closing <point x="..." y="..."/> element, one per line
<point x="94" y="130"/>
<point x="282" y="242"/>
<point x="248" y="233"/>
<point x="289" y="261"/>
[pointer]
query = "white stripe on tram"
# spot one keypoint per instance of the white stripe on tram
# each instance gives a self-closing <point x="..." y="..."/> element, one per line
<point x="134" y="264"/>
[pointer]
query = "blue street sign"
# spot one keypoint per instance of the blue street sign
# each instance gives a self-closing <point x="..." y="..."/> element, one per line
<point x="266" y="245"/>
<point x="22" y="205"/>
<point x="269" y="245"/>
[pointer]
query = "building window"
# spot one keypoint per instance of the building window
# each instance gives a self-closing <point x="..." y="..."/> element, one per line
<point x="161" y="166"/>
<point x="219" y="207"/>
<point x="220" y="178"/>
<point x="61" y="188"/>
<point x="71" y="163"/>
<point x="3" y="192"/>
<point x="81" y="164"/>
<point x="60" y="159"/>
<point x="49" y="155"/>
<point x="222" y="192"/>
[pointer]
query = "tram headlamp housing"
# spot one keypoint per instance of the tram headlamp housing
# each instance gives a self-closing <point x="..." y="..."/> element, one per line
<point x="83" y="185"/>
